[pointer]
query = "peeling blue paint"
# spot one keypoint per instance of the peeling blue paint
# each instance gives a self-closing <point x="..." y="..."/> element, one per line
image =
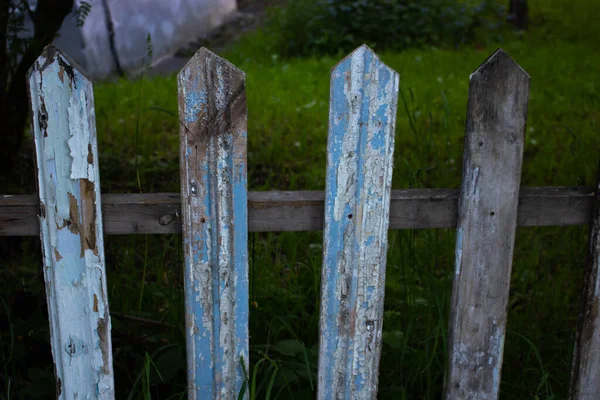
<point x="496" y="350"/>
<point x="458" y="250"/>
<point x="74" y="269"/>
<point x="195" y="100"/>
<point x="360" y="151"/>
<point x="216" y="217"/>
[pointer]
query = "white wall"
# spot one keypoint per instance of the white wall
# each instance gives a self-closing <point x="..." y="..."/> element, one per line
<point x="171" y="23"/>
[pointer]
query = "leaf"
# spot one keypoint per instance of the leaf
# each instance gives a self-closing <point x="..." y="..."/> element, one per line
<point x="289" y="347"/>
<point x="286" y="377"/>
<point x="170" y="363"/>
<point x="307" y="364"/>
<point x="242" y="390"/>
<point x="394" y="339"/>
<point x="271" y="382"/>
<point x="254" y="374"/>
<point x="44" y="386"/>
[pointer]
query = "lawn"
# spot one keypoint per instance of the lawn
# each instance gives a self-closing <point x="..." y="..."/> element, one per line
<point x="287" y="131"/>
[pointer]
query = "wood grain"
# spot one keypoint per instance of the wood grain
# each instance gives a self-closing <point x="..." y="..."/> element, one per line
<point x="585" y="376"/>
<point x="487" y="221"/>
<point x="160" y="213"/>
<point x="70" y="221"/>
<point x="212" y="106"/>
<point x="360" y="148"/>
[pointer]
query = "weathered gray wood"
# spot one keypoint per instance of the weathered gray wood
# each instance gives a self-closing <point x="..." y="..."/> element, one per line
<point x="360" y="148"/>
<point x="585" y="376"/>
<point x="212" y="106"/>
<point x="159" y="213"/>
<point x="487" y="221"/>
<point x="66" y="154"/>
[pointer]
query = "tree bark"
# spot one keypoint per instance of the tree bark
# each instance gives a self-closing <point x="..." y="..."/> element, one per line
<point x="17" y="172"/>
<point x="14" y="106"/>
<point x="518" y="14"/>
<point x="4" y="9"/>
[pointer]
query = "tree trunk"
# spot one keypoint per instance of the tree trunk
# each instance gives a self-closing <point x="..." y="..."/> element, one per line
<point x="4" y="9"/>
<point x="518" y="14"/>
<point x="17" y="173"/>
<point x="14" y="105"/>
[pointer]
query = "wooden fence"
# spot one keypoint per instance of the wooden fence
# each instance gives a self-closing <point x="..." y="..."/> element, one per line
<point x="215" y="212"/>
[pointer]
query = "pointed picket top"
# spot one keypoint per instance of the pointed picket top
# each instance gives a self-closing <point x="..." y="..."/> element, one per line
<point x="52" y="54"/>
<point x="360" y="51"/>
<point x="213" y="135"/>
<point x="64" y="130"/>
<point x="362" y="118"/>
<point x="362" y="54"/>
<point x="204" y="54"/>
<point x="215" y="71"/>
<point x="497" y="62"/>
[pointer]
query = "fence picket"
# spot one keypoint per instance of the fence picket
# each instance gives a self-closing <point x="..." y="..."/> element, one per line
<point x="362" y="118"/>
<point x="585" y="384"/>
<point x="487" y="220"/>
<point x="64" y="129"/>
<point x="212" y="107"/>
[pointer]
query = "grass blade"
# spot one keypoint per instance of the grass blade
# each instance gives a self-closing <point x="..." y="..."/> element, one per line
<point x="307" y="366"/>
<point x="272" y="381"/>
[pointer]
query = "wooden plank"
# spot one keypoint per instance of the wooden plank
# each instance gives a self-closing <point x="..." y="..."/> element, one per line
<point x="487" y="221"/>
<point x="362" y="118"/>
<point x="64" y="127"/>
<point x="585" y="374"/>
<point x="212" y="106"/>
<point x="159" y="213"/>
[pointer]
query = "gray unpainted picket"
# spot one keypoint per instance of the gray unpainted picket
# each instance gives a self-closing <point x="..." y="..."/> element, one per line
<point x="487" y="221"/>
<point x="585" y="376"/>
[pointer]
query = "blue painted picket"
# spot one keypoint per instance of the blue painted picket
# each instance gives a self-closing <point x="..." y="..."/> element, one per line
<point x="64" y="130"/>
<point x="212" y="107"/>
<point x="362" y="118"/>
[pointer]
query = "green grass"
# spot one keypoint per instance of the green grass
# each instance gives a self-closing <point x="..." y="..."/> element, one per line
<point x="287" y="124"/>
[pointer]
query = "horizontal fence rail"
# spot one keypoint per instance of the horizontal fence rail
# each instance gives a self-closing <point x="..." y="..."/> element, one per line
<point x="287" y="211"/>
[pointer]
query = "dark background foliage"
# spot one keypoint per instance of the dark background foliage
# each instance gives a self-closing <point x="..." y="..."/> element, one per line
<point x="309" y="27"/>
